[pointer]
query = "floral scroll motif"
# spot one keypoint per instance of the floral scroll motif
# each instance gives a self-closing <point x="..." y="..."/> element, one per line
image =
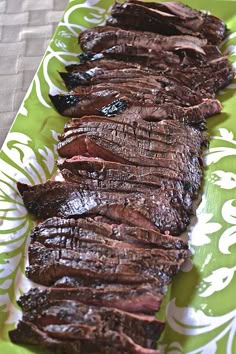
<point x="20" y="163"/>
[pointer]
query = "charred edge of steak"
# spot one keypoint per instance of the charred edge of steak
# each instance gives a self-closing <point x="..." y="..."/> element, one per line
<point x="47" y="265"/>
<point x="167" y="19"/>
<point x="72" y="80"/>
<point x="114" y="108"/>
<point x="72" y="283"/>
<point x="83" y="239"/>
<point x="62" y="102"/>
<point x="96" y="341"/>
<point x="84" y="57"/>
<point x="167" y="211"/>
<point x="29" y="333"/>
<point x="146" y="298"/>
<point x="38" y="306"/>
<point x="36" y="303"/>
<point x="133" y="235"/>
<point x="103" y="37"/>
<point x="143" y="329"/>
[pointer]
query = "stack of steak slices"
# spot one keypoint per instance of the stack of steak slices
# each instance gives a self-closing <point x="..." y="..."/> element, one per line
<point x="130" y="163"/>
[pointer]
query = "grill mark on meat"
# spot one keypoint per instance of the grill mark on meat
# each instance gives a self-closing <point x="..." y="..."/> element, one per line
<point x="213" y="58"/>
<point x="103" y="104"/>
<point x="100" y="38"/>
<point x="167" y="129"/>
<point x="145" y="298"/>
<point x="105" y="63"/>
<point x="89" y="227"/>
<point x="87" y="242"/>
<point x="95" y="146"/>
<point x="100" y="76"/>
<point x="64" y="312"/>
<point x="98" y="169"/>
<point x="97" y="246"/>
<point x="193" y="116"/>
<point x="164" y="211"/>
<point x="166" y="20"/>
<point x="98" y="343"/>
<point x="158" y="287"/>
<point x="78" y="105"/>
<point x="121" y="185"/>
<point x="46" y="265"/>
<point x="141" y="87"/>
<point x="195" y="78"/>
<point x="162" y="135"/>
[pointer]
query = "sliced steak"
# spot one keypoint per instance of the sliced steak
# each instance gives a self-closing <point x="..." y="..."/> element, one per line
<point x="169" y="131"/>
<point x="100" y="76"/>
<point x="103" y="37"/>
<point x="167" y="18"/>
<point x="95" y="146"/>
<point x="117" y="182"/>
<point x="207" y="80"/>
<point x="91" y="62"/>
<point x="92" y="99"/>
<point x="212" y="59"/>
<point x="88" y="241"/>
<point x="141" y="174"/>
<point x="74" y="282"/>
<point x="93" y="340"/>
<point x="150" y="58"/>
<point x="66" y="307"/>
<point x="142" y="329"/>
<point x="29" y="333"/>
<point x="47" y="265"/>
<point x="142" y="89"/>
<point x="119" y="57"/>
<point x="194" y="116"/>
<point x="90" y="228"/>
<point x="208" y="74"/>
<point x="72" y="106"/>
<point x="145" y="298"/>
<point x="126" y="178"/>
<point x="158" y="89"/>
<point x="95" y="245"/>
<point x="166" y="136"/>
<point x="101" y="148"/>
<point x="164" y="131"/>
<point x="164" y="210"/>
<point x="75" y="331"/>
<point x="77" y="105"/>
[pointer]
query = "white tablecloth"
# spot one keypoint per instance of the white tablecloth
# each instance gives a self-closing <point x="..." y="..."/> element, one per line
<point x="26" y="26"/>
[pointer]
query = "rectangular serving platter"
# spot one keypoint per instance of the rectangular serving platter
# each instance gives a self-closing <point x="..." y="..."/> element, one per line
<point x="200" y="309"/>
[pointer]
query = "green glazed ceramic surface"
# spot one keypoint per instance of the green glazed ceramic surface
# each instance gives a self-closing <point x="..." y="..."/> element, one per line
<point x="200" y="309"/>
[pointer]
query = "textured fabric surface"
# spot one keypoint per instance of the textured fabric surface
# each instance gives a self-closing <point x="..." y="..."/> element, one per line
<point x="26" y="27"/>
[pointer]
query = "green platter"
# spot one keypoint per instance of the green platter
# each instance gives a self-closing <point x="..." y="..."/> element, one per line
<point x="200" y="308"/>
